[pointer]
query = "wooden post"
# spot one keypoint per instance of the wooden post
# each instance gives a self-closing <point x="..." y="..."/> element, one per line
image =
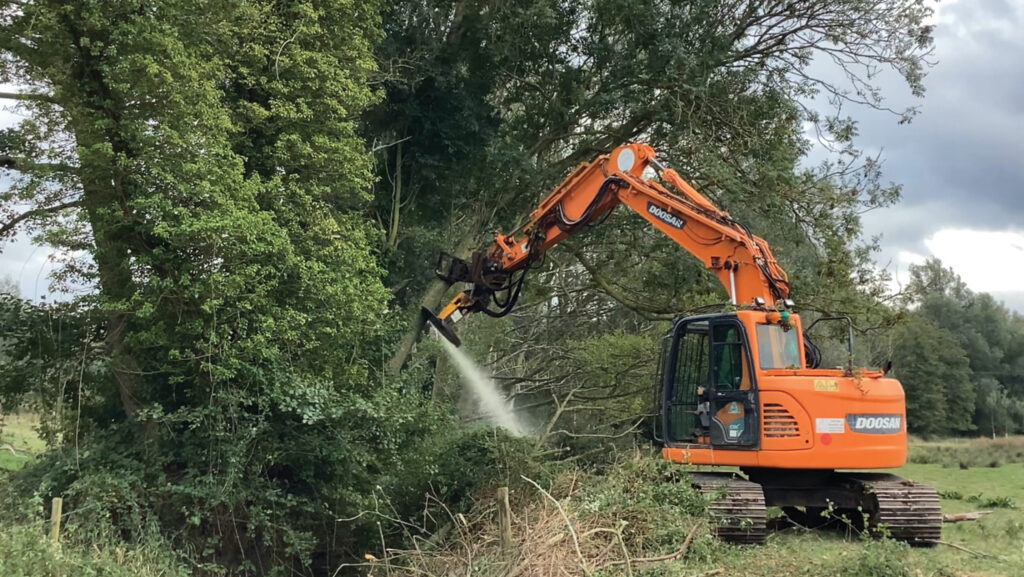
<point x="55" y="513"/>
<point x="505" y="520"/>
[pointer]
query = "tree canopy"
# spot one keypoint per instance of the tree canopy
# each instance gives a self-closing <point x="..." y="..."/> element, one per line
<point x="197" y="169"/>
<point x="966" y="345"/>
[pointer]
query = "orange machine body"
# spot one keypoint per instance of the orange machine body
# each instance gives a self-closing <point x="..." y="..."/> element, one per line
<point x="807" y="417"/>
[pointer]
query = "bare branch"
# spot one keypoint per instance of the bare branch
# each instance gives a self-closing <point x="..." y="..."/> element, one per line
<point x="35" y="213"/>
<point x="28" y="97"/>
<point x="24" y="165"/>
<point x="632" y="303"/>
<point x="379" y="147"/>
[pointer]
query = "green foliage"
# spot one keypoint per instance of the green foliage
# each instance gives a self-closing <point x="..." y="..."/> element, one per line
<point x="988" y="334"/>
<point x="998" y="412"/>
<point x="639" y="505"/>
<point x="981" y="500"/>
<point x="203" y="174"/>
<point x="485" y="110"/>
<point x="455" y="465"/>
<point x="653" y="496"/>
<point x="936" y="378"/>
<point x="199" y="167"/>
<point x="884" y="558"/>
<point x="26" y="554"/>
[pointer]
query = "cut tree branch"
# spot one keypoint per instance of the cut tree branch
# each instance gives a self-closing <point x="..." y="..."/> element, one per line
<point x="958" y="517"/>
<point x="670" y="557"/>
<point x="36" y="212"/>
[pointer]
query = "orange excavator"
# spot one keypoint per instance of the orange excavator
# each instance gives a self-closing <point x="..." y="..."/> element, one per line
<point x="740" y="388"/>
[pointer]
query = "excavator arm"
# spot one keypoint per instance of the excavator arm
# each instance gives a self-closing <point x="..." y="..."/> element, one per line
<point x="742" y="261"/>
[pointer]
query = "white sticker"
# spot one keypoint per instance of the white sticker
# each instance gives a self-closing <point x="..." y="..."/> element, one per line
<point x="829" y="426"/>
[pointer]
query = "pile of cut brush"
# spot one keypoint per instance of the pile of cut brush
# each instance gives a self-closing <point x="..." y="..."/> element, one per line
<point x="634" y="516"/>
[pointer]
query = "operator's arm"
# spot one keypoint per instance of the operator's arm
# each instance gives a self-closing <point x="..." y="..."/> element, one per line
<point x="742" y="262"/>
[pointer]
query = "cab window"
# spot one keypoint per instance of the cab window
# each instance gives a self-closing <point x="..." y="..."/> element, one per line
<point x="728" y="358"/>
<point x="777" y="348"/>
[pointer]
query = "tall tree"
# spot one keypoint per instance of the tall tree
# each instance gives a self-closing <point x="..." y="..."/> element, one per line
<point x="986" y="330"/>
<point x="196" y="164"/>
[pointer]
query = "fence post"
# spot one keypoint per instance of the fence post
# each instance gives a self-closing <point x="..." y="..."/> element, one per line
<point x="55" y="515"/>
<point x="505" y="520"/>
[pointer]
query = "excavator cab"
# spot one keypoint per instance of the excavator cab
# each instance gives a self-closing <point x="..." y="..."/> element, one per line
<point x="707" y="391"/>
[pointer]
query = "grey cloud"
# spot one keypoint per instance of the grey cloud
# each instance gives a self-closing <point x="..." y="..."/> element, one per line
<point x="961" y="160"/>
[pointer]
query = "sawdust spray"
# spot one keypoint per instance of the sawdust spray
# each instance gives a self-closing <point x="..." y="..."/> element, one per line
<point x="493" y="405"/>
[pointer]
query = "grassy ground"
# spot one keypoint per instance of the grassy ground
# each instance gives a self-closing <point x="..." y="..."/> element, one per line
<point x="1000" y="534"/>
<point x="997" y="538"/>
<point x="18" y="432"/>
<point x="974" y="475"/>
<point x="990" y="547"/>
<point x="968" y="453"/>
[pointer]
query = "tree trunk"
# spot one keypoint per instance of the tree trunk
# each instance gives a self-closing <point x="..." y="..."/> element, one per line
<point x="431" y="299"/>
<point x="112" y="265"/>
<point x="95" y="120"/>
<point x="396" y="200"/>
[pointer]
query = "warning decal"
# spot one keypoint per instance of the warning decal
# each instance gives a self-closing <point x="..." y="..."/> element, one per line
<point x="833" y="426"/>
<point x="827" y="385"/>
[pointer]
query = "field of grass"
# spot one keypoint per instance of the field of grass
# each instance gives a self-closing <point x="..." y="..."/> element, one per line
<point x="967" y="453"/>
<point x="999" y="535"/>
<point x="18" y="432"/>
<point x="997" y="539"/>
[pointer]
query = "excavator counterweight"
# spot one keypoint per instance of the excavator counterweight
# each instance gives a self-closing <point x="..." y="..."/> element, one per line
<point x="739" y="388"/>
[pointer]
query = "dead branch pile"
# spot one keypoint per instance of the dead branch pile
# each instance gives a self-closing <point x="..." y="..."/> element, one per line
<point x="554" y="532"/>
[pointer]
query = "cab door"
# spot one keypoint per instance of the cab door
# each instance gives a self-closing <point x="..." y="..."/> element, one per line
<point x="732" y="392"/>
<point x="684" y="382"/>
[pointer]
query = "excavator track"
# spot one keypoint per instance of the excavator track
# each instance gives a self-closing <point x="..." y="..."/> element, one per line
<point x="736" y="507"/>
<point x="902" y="509"/>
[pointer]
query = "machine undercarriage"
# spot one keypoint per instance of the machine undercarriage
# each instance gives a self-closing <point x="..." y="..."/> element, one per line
<point x="880" y="503"/>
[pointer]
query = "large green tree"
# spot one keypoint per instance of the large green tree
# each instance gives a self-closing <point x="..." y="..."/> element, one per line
<point x="936" y="377"/>
<point x="195" y="167"/>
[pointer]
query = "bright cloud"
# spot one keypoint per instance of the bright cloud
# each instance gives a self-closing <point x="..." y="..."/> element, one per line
<point x="988" y="261"/>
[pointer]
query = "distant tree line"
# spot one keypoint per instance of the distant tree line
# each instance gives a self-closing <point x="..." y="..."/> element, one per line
<point x="960" y="357"/>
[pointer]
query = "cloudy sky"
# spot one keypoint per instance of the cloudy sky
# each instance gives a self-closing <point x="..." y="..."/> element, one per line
<point x="961" y="161"/>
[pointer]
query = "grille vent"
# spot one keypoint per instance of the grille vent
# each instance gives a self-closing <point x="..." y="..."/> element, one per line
<point x="778" y="422"/>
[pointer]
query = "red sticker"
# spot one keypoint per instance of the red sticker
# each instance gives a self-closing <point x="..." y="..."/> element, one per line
<point x="826" y="439"/>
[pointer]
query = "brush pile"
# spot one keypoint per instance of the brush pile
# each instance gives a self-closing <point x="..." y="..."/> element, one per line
<point x="639" y="514"/>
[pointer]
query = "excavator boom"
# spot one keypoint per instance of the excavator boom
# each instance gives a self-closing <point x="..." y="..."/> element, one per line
<point x="742" y="261"/>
